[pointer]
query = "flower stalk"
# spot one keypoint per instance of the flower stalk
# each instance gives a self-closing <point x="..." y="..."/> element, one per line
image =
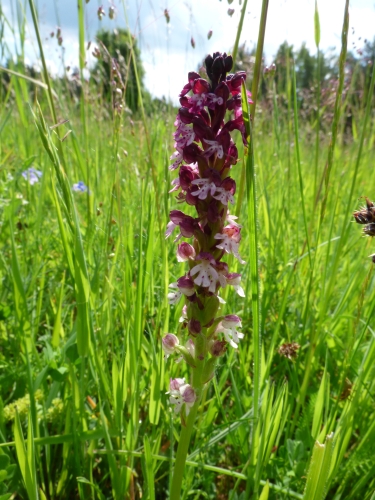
<point x="204" y="155"/>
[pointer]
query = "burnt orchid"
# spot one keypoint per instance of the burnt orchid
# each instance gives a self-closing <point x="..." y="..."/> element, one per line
<point x="204" y="155"/>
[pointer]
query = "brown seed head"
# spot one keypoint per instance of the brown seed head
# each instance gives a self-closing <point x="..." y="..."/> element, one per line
<point x="289" y="350"/>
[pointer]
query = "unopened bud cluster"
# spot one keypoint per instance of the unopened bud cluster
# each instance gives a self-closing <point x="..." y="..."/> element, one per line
<point x="204" y="155"/>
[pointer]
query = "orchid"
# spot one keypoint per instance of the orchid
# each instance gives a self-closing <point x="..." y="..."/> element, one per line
<point x="204" y="154"/>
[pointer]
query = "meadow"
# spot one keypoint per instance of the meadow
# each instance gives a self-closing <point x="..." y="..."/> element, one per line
<point x="85" y="272"/>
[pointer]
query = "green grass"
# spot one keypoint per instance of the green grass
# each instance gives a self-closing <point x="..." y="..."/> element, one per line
<point x="83" y="307"/>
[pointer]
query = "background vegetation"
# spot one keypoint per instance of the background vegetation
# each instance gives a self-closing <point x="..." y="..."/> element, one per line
<point x="84" y="283"/>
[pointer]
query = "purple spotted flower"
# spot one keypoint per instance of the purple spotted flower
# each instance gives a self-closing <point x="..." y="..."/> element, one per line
<point x="204" y="155"/>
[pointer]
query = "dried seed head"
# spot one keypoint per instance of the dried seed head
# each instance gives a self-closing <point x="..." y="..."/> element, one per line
<point x="366" y="214"/>
<point x="289" y="350"/>
<point x="369" y="230"/>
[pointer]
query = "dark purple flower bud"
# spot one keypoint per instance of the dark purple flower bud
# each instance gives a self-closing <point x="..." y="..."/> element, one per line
<point x="186" y="175"/>
<point x="234" y="102"/>
<point x="228" y="62"/>
<point x="187" y="224"/>
<point x="185" y="116"/>
<point x="237" y="124"/>
<point x="224" y="140"/>
<point x="205" y="116"/>
<point x="192" y="76"/>
<point x="229" y="184"/>
<point x="234" y="82"/>
<point x="218" y="348"/>
<point x="177" y="216"/>
<point x="184" y="101"/>
<point x="192" y="42"/>
<point x="188" y="227"/>
<point x="232" y="156"/>
<point x="217" y="67"/>
<point x="200" y="86"/>
<point x="194" y="327"/>
<point x="192" y="153"/>
<point x="185" y="251"/>
<point x="190" y="198"/>
<point x="223" y="92"/>
<point x="201" y="130"/>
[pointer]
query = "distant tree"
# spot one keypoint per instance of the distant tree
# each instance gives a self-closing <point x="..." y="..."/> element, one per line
<point x="122" y="57"/>
<point x="305" y="68"/>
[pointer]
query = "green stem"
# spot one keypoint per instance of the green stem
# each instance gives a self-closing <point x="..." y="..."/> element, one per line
<point x="186" y="432"/>
<point x="238" y="34"/>
<point x="258" y="57"/>
<point x="45" y="71"/>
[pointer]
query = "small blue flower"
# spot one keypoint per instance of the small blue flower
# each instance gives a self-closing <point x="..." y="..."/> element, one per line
<point x="80" y="187"/>
<point x="32" y="175"/>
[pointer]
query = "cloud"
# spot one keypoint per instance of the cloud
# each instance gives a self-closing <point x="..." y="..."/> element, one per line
<point x="165" y="48"/>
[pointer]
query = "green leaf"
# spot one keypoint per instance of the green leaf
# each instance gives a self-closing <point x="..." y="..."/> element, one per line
<point x="57" y="327"/>
<point x="20" y="300"/>
<point x="149" y="465"/>
<point x="319" y="470"/>
<point x="6" y="496"/>
<point x="265" y="492"/>
<point x="4" y="461"/>
<point x="319" y="405"/>
<point x="26" y="458"/>
<point x="83" y="480"/>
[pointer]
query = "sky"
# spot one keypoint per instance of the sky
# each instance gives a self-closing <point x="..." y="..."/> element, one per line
<point x="166" y="49"/>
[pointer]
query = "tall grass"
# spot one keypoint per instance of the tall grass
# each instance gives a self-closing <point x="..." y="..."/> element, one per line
<point x="83" y="306"/>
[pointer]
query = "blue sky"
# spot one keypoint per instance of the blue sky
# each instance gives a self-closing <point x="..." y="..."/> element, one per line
<point x="166" y="50"/>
